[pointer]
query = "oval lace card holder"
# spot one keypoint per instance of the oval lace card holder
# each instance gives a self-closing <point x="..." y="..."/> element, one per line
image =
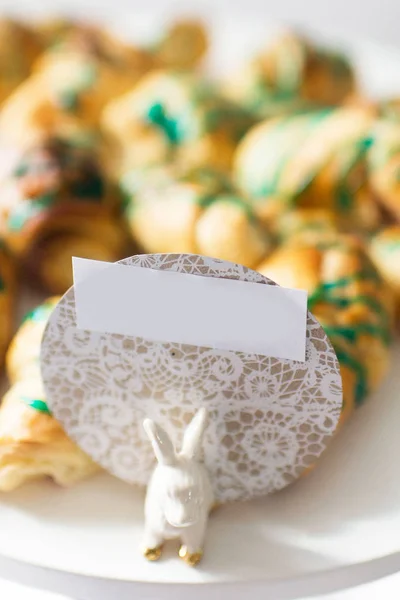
<point x="269" y="419"/>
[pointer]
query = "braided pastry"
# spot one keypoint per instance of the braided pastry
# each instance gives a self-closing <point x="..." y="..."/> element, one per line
<point x="351" y="302"/>
<point x="289" y="75"/>
<point x="32" y="443"/>
<point x="71" y="84"/>
<point x="174" y="117"/>
<point x="316" y="159"/>
<point x="198" y="212"/>
<point x="57" y="204"/>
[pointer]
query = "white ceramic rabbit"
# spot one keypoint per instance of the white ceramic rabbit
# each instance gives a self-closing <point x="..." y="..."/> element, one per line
<point x="179" y="495"/>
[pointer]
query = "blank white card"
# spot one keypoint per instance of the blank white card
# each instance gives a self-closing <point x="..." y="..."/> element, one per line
<point x="167" y="306"/>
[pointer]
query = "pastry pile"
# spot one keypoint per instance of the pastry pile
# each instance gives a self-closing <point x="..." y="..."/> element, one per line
<point x="283" y="166"/>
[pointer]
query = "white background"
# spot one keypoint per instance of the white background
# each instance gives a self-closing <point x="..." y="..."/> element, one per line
<point x="375" y="19"/>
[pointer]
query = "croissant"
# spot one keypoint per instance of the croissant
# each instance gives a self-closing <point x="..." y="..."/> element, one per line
<point x="291" y="74"/>
<point x="19" y="48"/>
<point x="198" y="212"/>
<point x="350" y="300"/>
<point x="317" y="160"/>
<point x="32" y="443"/>
<point x="56" y="204"/>
<point x="172" y="116"/>
<point x="7" y="300"/>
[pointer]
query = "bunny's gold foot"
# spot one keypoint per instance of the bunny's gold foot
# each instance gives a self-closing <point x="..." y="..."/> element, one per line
<point x="215" y="507"/>
<point x="190" y="559"/>
<point x="152" y="554"/>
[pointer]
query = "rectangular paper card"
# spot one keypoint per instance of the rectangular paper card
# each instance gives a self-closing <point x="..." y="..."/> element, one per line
<point x="167" y="306"/>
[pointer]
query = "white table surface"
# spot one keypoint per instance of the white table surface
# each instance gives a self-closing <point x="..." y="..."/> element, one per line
<point x="377" y="20"/>
<point x="387" y="589"/>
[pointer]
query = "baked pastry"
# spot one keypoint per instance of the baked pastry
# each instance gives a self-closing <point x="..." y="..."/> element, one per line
<point x="23" y="354"/>
<point x="196" y="212"/>
<point x="385" y="253"/>
<point x="32" y="443"/>
<point x="384" y="166"/>
<point x="19" y="48"/>
<point x="314" y="159"/>
<point x="171" y="116"/>
<point x="182" y="46"/>
<point x="291" y="74"/>
<point x="71" y="84"/>
<point x="349" y="299"/>
<point x="7" y="300"/>
<point x="56" y="204"/>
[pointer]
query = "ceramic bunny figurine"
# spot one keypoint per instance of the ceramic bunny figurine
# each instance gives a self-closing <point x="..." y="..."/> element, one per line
<point x="179" y="495"/>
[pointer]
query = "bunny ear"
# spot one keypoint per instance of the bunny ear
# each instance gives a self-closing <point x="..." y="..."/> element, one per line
<point x="161" y="442"/>
<point x="193" y="435"/>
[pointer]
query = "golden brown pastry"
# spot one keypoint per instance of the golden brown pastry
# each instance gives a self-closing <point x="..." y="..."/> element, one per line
<point x="349" y="299"/>
<point x="385" y="252"/>
<point x="32" y="444"/>
<point x="182" y="46"/>
<point x="197" y="212"/>
<point x="22" y="359"/>
<point x="384" y="166"/>
<point x="291" y="74"/>
<point x="316" y="160"/>
<point x="171" y="116"/>
<point x="19" y="48"/>
<point x="7" y="300"/>
<point x="71" y="84"/>
<point x="58" y="204"/>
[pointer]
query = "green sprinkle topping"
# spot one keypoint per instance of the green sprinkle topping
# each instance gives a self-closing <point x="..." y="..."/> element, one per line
<point x="36" y="404"/>
<point x="158" y="116"/>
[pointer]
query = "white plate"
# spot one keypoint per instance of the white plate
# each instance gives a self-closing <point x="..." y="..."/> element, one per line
<point x="338" y="527"/>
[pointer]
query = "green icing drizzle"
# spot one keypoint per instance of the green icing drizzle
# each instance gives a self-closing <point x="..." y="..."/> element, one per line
<point x="271" y="187"/>
<point x="325" y="293"/>
<point x="361" y="387"/>
<point x="37" y="404"/>
<point x="344" y="195"/>
<point x="158" y="116"/>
